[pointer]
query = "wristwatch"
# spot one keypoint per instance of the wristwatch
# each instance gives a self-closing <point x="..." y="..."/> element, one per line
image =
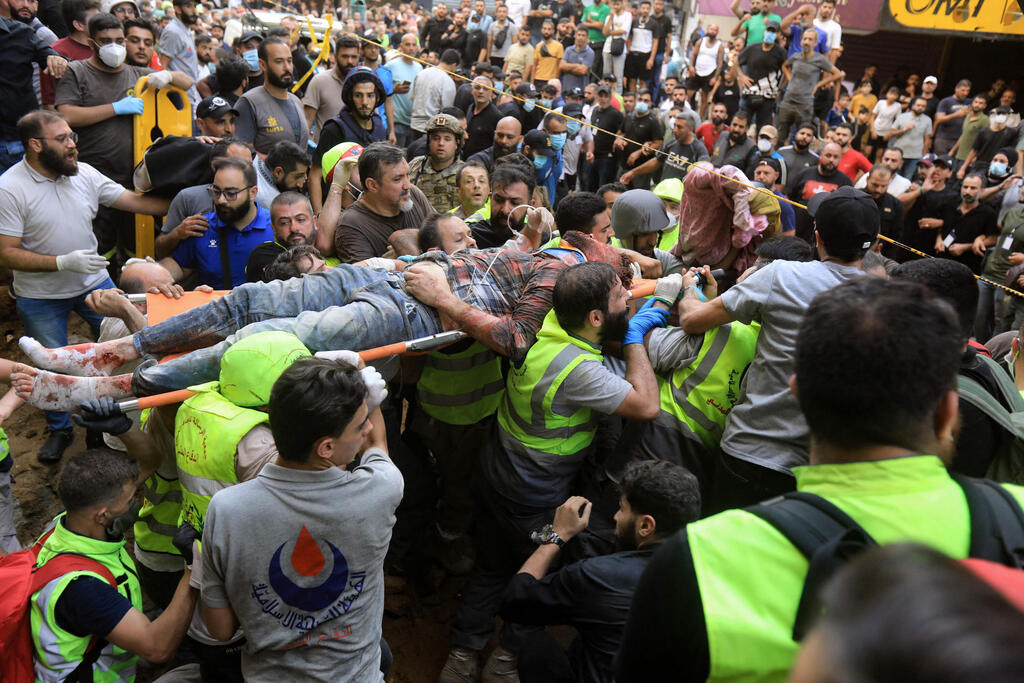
<point x="546" y="534"/>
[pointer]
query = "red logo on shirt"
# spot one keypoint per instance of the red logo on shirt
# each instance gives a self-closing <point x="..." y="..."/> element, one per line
<point x="813" y="187"/>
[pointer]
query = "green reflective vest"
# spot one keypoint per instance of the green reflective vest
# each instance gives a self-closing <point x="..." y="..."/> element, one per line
<point x="58" y="652"/>
<point x="5" y="447"/>
<point x="696" y="399"/>
<point x="751" y="577"/>
<point x="525" y="413"/>
<point x="207" y="430"/>
<point x="481" y="214"/>
<point x="463" y="387"/>
<point x="669" y="238"/>
<point x="159" y="515"/>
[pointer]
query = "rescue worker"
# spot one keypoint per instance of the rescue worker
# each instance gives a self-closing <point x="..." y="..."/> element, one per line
<point x="547" y="420"/>
<point x="640" y="220"/>
<point x="670" y="191"/>
<point x="875" y="375"/>
<point x="436" y="172"/>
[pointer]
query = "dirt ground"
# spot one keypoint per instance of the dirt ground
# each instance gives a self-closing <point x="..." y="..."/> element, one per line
<point x="415" y="624"/>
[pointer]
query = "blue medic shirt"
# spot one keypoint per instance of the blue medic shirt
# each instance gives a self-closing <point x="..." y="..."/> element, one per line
<point x="203" y="253"/>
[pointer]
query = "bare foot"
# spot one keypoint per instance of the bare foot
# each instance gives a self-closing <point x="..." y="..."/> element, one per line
<point x="48" y="391"/>
<point x="82" y="360"/>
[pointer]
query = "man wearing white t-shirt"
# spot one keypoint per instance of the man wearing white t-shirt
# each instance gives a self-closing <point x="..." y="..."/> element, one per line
<point x="826" y="23"/>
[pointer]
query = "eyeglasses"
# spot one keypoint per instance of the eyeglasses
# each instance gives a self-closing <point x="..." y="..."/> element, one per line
<point x="62" y="139"/>
<point x="230" y="195"/>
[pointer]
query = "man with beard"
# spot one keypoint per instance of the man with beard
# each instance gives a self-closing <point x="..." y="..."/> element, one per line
<point x="177" y="47"/>
<point x="511" y="188"/>
<point x="293" y="222"/>
<point x="799" y="156"/>
<point x="657" y="498"/>
<point x="323" y="96"/>
<point x="482" y="117"/>
<point x="235" y="227"/>
<point x="890" y="209"/>
<point x="736" y="148"/>
<point x="508" y="134"/>
<point x="754" y="21"/>
<point x="825" y="177"/>
<point x="358" y="121"/>
<point x="924" y="206"/>
<point x="371" y="59"/>
<point x="893" y="160"/>
<point x="759" y="72"/>
<point x="270" y="112"/>
<point x="47" y="201"/>
<point x="286" y="169"/>
<point x="684" y="144"/>
<point x="140" y="40"/>
<point x="638" y="220"/>
<point x="96" y="97"/>
<point x="435" y="172"/>
<point x="852" y="163"/>
<point x="390" y="202"/>
<point x="967" y="228"/>
<point x="547" y="420"/>
<point x="215" y="117"/>
<point x="710" y="130"/>
<point x="75" y="45"/>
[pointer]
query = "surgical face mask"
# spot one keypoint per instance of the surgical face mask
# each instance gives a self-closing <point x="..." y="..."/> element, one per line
<point x="769" y="37"/>
<point x="122" y="523"/>
<point x="558" y="140"/>
<point x="998" y="119"/>
<point x="997" y="169"/>
<point x="528" y="105"/>
<point x="112" y="54"/>
<point x="671" y="122"/>
<point x="572" y="127"/>
<point x="764" y="146"/>
<point x="252" y="58"/>
<point x="540" y="161"/>
<point x="673" y="217"/>
<point x="641" y="107"/>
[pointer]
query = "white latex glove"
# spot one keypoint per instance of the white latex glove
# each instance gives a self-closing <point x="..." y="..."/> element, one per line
<point x="638" y="273"/>
<point x="350" y="357"/>
<point x="82" y="261"/>
<point x="159" y="79"/>
<point x="540" y="219"/>
<point x="376" y="387"/>
<point x="196" y="579"/>
<point x="667" y="289"/>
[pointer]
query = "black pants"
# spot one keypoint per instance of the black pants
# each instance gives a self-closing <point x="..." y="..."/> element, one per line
<point x="159" y="586"/>
<point x="739" y="484"/>
<point x="605" y="170"/>
<point x="542" y="660"/>
<point x="219" y="663"/>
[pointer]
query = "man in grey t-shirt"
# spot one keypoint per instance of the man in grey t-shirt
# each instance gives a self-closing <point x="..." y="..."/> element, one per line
<point x="807" y="71"/>
<point x="177" y="48"/>
<point x="765" y="434"/>
<point x="296" y="556"/>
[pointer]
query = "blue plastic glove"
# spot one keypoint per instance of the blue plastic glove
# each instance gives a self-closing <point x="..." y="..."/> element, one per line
<point x="129" y="105"/>
<point x="645" y="320"/>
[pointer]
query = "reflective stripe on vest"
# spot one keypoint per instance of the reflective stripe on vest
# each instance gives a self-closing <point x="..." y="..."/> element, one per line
<point x="696" y="399"/>
<point x="525" y="413"/>
<point x="207" y="430"/>
<point x="158" y="518"/>
<point x="461" y="388"/>
<point x="669" y="238"/>
<point x="5" y="447"/>
<point x="58" y="652"/>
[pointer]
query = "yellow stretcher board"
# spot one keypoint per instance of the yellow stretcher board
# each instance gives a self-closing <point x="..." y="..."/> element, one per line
<point x="167" y="112"/>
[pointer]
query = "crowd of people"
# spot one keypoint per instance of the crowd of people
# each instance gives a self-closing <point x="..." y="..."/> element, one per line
<point x="726" y="318"/>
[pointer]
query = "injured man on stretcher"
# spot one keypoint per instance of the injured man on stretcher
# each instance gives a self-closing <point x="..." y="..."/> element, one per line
<point x="498" y="296"/>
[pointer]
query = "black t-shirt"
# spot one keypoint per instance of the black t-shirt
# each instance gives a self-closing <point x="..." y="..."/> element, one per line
<point x="650" y="25"/>
<point x="991" y="141"/>
<point x="929" y="205"/>
<point x="646" y="128"/>
<point x="666" y="638"/>
<point x="890" y="211"/>
<point x="664" y="31"/>
<point x="729" y="95"/>
<point x="609" y="119"/>
<point x="475" y="41"/>
<point x="534" y="23"/>
<point x="456" y="40"/>
<point x="809" y="183"/>
<point x="756" y="63"/>
<point x="929" y="109"/>
<point x="432" y="32"/>
<point x="694" y="151"/>
<point x="965" y="227"/>
<point x="463" y="97"/>
<point x="480" y="128"/>
<point x="981" y="438"/>
<point x="259" y="258"/>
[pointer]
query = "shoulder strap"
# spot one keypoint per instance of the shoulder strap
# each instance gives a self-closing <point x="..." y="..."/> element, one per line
<point x="997" y="522"/>
<point x="1005" y="383"/>
<point x="824" y="534"/>
<point x="225" y="259"/>
<point x="975" y="394"/>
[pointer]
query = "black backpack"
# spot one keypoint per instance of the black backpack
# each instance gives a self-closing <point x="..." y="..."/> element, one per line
<point x="829" y="538"/>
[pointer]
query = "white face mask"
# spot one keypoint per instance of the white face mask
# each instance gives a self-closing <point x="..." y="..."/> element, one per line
<point x="999" y="119"/>
<point x="112" y="54"/>
<point x="764" y="146"/>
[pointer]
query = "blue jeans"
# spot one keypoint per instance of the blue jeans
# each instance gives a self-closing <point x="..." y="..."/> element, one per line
<point x="992" y="316"/>
<point x="604" y="171"/>
<point x="909" y="169"/>
<point x="46" y="321"/>
<point x="654" y="82"/>
<point x="347" y="307"/>
<point x="11" y="152"/>
<point x="404" y="135"/>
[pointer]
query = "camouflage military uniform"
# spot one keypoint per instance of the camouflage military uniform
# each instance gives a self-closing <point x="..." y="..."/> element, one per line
<point x="438" y="186"/>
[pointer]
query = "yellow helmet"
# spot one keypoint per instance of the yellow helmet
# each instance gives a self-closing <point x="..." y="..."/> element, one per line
<point x="250" y="367"/>
<point x="345" y="150"/>
<point x="670" y="189"/>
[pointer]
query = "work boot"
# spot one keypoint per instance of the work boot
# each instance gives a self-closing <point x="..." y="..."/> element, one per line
<point x="53" y="450"/>
<point x="462" y="666"/>
<point x="501" y="667"/>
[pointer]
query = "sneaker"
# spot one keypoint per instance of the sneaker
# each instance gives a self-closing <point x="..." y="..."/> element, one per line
<point x="462" y="666"/>
<point x="53" y="450"/>
<point x="501" y="667"/>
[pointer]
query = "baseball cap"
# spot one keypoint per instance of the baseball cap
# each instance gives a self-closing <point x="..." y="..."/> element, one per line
<point x="539" y="141"/>
<point x="943" y="160"/>
<point x="526" y="90"/>
<point x="214" y="107"/>
<point x="772" y="25"/>
<point x="498" y="74"/>
<point x="847" y="219"/>
<point x="573" y="109"/>
<point x="771" y="163"/>
<point x="604" y="89"/>
<point x="250" y="35"/>
<point x="769" y="131"/>
<point x="574" y="92"/>
<point x="370" y="35"/>
<point x="931" y="79"/>
<point x="1001" y="110"/>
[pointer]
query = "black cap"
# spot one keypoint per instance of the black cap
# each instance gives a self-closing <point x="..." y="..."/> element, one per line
<point x="772" y="25"/>
<point x="847" y="219"/>
<point x="214" y="107"/>
<point x="574" y="92"/>
<point x="771" y="163"/>
<point x="539" y="142"/>
<point x="943" y="160"/>
<point x="525" y="89"/>
<point x="604" y="89"/>
<point x="498" y="74"/>
<point x="573" y="109"/>
<point x="249" y="35"/>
